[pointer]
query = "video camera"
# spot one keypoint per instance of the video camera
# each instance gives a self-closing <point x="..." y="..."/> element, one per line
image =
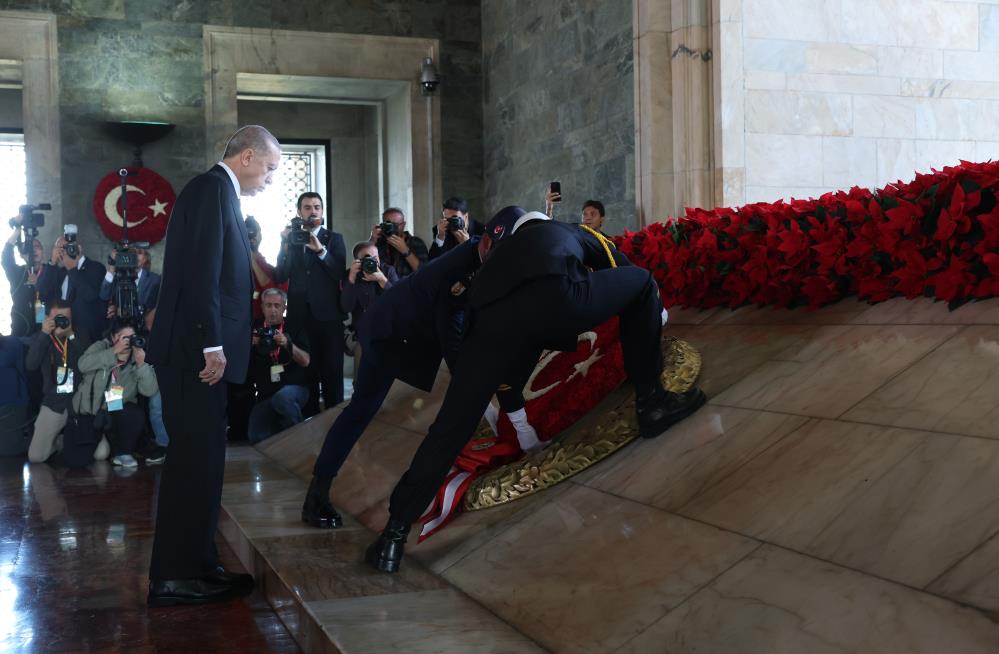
<point x="265" y="334"/>
<point x="300" y="233"/>
<point x="124" y="258"/>
<point x="30" y="221"/>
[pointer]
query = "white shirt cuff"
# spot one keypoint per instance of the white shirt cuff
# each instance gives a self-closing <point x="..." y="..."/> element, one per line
<point x="109" y="277"/>
<point x="217" y="348"/>
<point x="439" y="242"/>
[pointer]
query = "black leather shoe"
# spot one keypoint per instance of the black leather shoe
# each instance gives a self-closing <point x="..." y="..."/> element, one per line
<point x="317" y="510"/>
<point x="239" y="581"/>
<point x="188" y="591"/>
<point x="385" y="554"/>
<point x="661" y="409"/>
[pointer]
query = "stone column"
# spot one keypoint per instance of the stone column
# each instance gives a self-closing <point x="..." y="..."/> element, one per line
<point x="674" y="107"/>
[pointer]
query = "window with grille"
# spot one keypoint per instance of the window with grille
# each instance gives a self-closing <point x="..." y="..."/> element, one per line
<point x="303" y="168"/>
<point x="13" y="193"/>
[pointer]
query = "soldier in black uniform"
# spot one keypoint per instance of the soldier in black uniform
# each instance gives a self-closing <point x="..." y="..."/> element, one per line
<point x="535" y="291"/>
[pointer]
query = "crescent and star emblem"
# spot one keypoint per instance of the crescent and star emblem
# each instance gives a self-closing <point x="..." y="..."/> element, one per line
<point x="111" y="206"/>
<point x="580" y="368"/>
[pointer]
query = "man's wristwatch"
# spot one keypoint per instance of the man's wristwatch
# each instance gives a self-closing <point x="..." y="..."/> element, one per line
<point x="406" y="253"/>
<point x="322" y="252"/>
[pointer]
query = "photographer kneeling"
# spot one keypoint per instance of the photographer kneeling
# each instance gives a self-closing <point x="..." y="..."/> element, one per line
<point x="114" y="375"/>
<point x="278" y="363"/>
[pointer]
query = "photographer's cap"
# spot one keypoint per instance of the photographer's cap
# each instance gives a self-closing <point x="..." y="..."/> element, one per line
<point x="509" y="219"/>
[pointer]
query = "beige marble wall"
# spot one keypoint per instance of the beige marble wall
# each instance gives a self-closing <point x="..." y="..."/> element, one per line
<point x="813" y="96"/>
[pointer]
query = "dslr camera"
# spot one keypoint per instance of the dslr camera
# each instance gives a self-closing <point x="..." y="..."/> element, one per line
<point x="300" y="232"/>
<point x="61" y="321"/>
<point x="455" y="224"/>
<point x="265" y="334"/>
<point x="72" y="248"/>
<point x="388" y="229"/>
<point x="134" y="340"/>
<point x="369" y="265"/>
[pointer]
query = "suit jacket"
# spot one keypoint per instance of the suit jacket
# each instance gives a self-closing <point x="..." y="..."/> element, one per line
<point x="148" y="289"/>
<point x="206" y="288"/>
<point x="411" y="327"/>
<point x="312" y="281"/>
<point x="540" y="250"/>
<point x="89" y="312"/>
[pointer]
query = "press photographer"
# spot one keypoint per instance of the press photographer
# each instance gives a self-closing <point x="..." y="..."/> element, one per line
<point x="368" y="278"/>
<point x="397" y="247"/>
<point x="115" y="373"/>
<point x="81" y="285"/>
<point x="32" y="284"/>
<point x="55" y="351"/>
<point x="278" y="364"/>
<point x="454" y="228"/>
<point x="117" y="285"/>
<point x="313" y="260"/>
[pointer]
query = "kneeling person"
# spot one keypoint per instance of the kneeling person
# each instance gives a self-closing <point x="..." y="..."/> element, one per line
<point x="278" y="370"/>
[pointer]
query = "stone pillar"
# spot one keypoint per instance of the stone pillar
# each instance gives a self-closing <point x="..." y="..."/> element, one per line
<point x="674" y="106"/>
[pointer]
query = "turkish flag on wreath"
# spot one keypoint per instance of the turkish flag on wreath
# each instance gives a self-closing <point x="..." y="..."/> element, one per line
<point x="150" y="200"/>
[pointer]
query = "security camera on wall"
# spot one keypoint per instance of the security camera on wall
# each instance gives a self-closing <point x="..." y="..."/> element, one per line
<point x="429" y="79"/>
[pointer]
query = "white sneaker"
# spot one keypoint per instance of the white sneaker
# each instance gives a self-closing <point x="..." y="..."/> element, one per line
<point x="125" y="461"/>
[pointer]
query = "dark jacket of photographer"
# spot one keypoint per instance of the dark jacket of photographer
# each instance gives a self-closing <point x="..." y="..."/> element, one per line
<point x="23" y="295"/>
<point x="43" y="355"/>
<point x="147" y="287"/>
<point x="475" y="228"/>
<point x="96" y="365"/>
<point x="261" y="362"/>
<point x="314" y="281"/>
<point x="392" y="257"/>
<point x="358" y="297"/>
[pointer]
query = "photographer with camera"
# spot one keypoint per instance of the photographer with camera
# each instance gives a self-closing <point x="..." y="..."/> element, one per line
<point x="147" y="283"/>
<point x="55" y="351"/>
<point x="368" y="278"/>
<point x="115" y="373"/>
<point x="397" y="247"/>
<point x="81" y="285"/>
<point x="278" y="364"/>
<point x="313" y="260"/>
<point x="32" y="284"/>
<point x="454" y="227"/>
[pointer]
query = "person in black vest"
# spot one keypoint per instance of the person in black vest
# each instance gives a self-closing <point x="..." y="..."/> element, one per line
<point x="81" y="287"/>
<point x="200" y="341"/>
<point x="535" y="291"/>
<point x="314" y="273"/>
<point x="454" y="227"/>
<point x="31" y="285"/>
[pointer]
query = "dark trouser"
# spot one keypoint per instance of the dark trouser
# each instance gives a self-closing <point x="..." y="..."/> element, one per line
<point x="325" y="354"/>
<point x="191" y="482"/>
<point x="508" y="336"/>
<point x="371" y="385"/>
<point x="127" y="426"/>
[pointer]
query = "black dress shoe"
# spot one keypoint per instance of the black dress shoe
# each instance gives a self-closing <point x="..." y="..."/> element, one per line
<point x="189" y="591"/>
<point x="317" y="510"/>
<point x="239" y="581"/>
<point x="385" y="554"/>
<point x="661" y="409"/>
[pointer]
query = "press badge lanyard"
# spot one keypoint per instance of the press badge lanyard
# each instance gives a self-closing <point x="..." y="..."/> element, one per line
<point x="115" y="393"/>
<point x="39" y="307"/>
<point x="63" y="349"/>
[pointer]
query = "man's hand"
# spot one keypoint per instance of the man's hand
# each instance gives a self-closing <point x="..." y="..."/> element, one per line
<point x="214" y="368"/>
<point x="48" y="325"/>
<point x="112" y="311"/>
<point x="441" y="228"/>
<point x="314" y="243"/>
<point x="550" y="200"/>
<point x="376" y="233"/>
<point x="280" y="339"/>
<point x="56" y="257"/>
<point x="120" y="346"/>
<point x="377" y="276"/>
<point x="354" y="269"/>
<point x="254" y="340"/>
<point x="461" y="235"/>
<point x="398" y="243"/>
<point x="140" y="356"/>
<point x="33" y="277"/>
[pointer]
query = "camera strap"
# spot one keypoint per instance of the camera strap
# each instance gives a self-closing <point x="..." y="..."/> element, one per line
<point x="276" y="352"/>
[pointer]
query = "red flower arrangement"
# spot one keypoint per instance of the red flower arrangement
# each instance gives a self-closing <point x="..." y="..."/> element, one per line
<point x="937" y="236"/>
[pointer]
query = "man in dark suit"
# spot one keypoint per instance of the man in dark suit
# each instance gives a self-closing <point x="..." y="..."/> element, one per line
<point x="535" y="291"/>
<point x="80" y="285"/>
<point x="314" y="272"/>
<point x="201" y="341"/>
<point x="454" y="228"/>
<point x="147" y="283"/>
<point x="404" y="336"/>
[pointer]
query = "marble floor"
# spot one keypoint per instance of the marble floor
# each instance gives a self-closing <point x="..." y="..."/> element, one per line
<point x="838" y="493"/>
<point x="74" y="559"/>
